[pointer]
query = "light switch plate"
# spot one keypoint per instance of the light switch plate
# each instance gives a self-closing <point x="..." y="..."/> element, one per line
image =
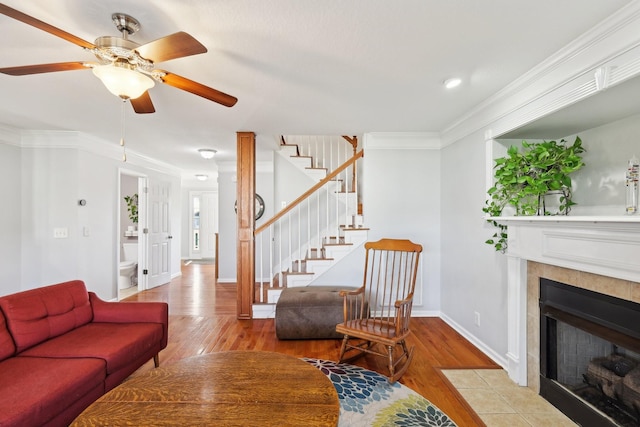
<point x="60" y="233"/>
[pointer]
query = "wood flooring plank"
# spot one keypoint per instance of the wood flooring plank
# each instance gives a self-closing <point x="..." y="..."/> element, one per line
<point x="202" y="319"/>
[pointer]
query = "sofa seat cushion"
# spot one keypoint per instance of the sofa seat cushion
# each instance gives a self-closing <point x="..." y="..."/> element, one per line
<point x="35" y="390"/>
<point x="117" y="343"/>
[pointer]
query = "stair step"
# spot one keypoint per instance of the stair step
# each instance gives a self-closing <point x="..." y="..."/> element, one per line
<point x="316" y="253"/>
<point x="302" y="161"/>
<point x="316" y="173"/>
<point x="317" y="258"/>
<point x="267" y="290"/>
<point x="333" y="240"/>
<point x="295" y="273"/>
<point x="298" y="266"/>
<point x="290" y="148"/>
<point x="294" y="280"/>
<point x="352" y="228"/>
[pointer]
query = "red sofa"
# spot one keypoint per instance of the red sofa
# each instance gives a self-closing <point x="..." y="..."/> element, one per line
<point x="62" y="347"/>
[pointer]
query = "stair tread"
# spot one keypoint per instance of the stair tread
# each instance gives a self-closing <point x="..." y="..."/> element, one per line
<point x="319" y="259"/>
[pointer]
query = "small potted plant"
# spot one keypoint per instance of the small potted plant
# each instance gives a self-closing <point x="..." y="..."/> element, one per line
<point x="526" y="177"/>
<point x="132" y="208"/>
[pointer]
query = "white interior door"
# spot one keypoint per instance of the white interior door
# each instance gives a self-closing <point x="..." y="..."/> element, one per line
<point x="159" y="241"/>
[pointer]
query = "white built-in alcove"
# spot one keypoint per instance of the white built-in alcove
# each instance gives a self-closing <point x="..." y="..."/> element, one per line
<point x="597" y="246"/>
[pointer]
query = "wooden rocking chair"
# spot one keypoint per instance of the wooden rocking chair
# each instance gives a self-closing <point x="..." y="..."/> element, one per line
<point x="377" y="315"/>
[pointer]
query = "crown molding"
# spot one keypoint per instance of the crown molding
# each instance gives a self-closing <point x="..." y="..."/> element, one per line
<point x="566" y="77"/>
<point x="55" y="139"/>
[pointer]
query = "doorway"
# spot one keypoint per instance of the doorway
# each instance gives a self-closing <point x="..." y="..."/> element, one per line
<point x="131" y="240"/>
<point x="203" y="224"/>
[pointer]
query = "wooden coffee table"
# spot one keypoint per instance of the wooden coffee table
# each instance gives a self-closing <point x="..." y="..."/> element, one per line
<point x="236" y="388"/>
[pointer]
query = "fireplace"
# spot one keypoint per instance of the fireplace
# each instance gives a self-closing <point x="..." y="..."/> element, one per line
<point x="590" y="354"/>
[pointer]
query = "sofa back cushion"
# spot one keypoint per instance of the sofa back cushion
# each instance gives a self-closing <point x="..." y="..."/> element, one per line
<point x="36" y="315"/>
<point x="7" y="347"/>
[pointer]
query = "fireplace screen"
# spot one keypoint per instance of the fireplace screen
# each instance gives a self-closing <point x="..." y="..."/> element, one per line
<point x="590" y="361"/>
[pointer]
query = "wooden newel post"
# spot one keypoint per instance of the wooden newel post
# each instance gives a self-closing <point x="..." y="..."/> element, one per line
<point x="245" y="192"/>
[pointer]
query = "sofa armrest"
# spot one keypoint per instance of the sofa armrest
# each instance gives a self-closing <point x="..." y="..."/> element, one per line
<point x="131" y="312"/>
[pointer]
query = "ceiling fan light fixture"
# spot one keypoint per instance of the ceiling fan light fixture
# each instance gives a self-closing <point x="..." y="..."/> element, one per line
<point x="123" y="81"/>
<point x="207" y="153"/>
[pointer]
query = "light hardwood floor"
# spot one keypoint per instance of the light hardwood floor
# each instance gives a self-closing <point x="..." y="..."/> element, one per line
<point x="202" y="319"/>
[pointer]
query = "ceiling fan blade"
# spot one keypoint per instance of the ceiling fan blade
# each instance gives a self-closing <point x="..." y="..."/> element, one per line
<point x="43" y="68"/>
<point x="30" y="20"/>
<point x="143" y="104"/>
<point x="198" y="89"/>
<point x="174" y="46"/>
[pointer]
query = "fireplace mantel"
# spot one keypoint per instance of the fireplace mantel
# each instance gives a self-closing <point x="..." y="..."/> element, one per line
<point x="568" y="219"/>
<point x="603" y="245"/>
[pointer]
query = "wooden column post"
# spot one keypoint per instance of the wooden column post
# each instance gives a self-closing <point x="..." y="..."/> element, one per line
<point x="245" y="192"/>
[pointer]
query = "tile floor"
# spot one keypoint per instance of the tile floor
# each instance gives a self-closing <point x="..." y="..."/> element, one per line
<point x="499" y="401"/>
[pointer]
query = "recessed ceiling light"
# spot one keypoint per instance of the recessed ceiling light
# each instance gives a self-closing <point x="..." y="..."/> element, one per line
<point x="207" y="153"/>
<point x="202" y="177"/>
<point x="451" y="83"/>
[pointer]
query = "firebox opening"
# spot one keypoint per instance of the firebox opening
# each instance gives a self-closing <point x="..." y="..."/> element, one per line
<point x="590" y="355"/>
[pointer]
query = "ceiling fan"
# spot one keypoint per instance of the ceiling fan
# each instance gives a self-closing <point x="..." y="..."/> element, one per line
<point x="125" y="67"/>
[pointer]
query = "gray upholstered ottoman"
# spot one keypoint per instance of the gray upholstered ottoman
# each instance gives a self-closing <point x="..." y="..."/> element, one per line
<point x="309" y="312"/>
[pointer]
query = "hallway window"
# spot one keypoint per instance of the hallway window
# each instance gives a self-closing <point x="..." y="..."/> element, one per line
<point x="196" y="223"/>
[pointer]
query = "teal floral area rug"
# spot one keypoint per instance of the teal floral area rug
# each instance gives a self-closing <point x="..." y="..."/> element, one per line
<point x="368" y="399"/>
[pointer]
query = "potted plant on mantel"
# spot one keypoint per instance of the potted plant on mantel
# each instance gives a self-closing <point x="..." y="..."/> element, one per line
<point x="132" y="207"/>
<point x="525" y="178"/>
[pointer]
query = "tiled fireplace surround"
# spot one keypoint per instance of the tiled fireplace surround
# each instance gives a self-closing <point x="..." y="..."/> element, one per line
<point x="601" y="254"/>
<point x="618" y="288"/>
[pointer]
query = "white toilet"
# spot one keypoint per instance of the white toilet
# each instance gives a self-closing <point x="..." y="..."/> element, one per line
<point x="128" y="266"/>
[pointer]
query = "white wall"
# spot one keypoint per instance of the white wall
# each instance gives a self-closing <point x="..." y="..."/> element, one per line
<point x="50" y="180"/>
<point x="10" y="218"/>
<point x="401" y="199"/>
<point x="289" y="182"/>
<point x="599" y="187"/>
<point x="55" y="170"/>
<point x="473" y="274"/>
<point x="227" y="224"/>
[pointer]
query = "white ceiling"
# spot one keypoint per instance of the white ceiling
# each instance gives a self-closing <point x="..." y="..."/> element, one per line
<point x="296" y="67"/>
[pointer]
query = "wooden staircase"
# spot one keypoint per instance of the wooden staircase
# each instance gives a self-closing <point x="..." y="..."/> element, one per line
<point x="331" y="243"/>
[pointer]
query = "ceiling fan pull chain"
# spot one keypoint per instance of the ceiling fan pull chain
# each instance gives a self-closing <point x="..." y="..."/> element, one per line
<point x="124" y="150"/>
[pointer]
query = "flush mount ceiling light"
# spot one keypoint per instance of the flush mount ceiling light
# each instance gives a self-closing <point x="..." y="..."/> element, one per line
<point x="207" y="153"/>
<point x="202" y="177"/>
<point x="451" y="83"/>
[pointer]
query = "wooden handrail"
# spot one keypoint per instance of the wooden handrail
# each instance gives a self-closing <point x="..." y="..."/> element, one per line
<point x="309" y="192"/>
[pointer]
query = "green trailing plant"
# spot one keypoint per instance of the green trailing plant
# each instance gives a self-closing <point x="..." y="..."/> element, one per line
<point x="132" y="207"/>
<point x="524" y="177"/>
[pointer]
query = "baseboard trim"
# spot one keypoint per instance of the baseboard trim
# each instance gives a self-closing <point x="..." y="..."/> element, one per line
<point x="500" y="360"/>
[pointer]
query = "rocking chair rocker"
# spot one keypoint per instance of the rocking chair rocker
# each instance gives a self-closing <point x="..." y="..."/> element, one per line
<point x="377" y="315"/>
